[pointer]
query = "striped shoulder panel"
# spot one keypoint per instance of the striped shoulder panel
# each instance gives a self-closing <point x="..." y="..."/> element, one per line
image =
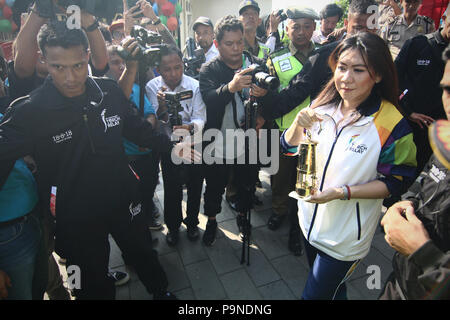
<point x="385" y="120"/>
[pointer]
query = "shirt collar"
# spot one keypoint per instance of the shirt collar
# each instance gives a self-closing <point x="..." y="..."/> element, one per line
<point x="182" y="86"/>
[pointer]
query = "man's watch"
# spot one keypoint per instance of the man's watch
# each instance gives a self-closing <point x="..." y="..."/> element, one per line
<point x="158" y="21"/>
<point x="93" y="26"/>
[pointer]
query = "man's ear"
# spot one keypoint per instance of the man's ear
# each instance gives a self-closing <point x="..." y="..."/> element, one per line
<point x="216" y="43"/>
<point x="41" y="58"/>
<point x="345" y="23"/>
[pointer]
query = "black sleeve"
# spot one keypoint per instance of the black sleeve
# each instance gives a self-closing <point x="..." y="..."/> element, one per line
<point x="137" y="129"/>
<point x="300" y="87"/>
<point x="15" y="139"/>
<point x="401" y="64"/>
<point x="19" y="87"/>
<point x="214" y="88"/>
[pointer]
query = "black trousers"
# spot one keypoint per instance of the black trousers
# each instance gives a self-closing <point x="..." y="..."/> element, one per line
<point x="90" y="250"/>
<point x="174" y="176"/>
<point x="146" y="167"/>
<point x="217" y="176"/>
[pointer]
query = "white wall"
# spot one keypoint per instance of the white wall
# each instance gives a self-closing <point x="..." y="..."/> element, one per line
<point x="216" y="9"/>
<point x="317" y="5"/>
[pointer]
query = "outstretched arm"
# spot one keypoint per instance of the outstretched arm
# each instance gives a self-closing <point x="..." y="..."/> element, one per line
<point x="97" y="43"/>
<point x="26" y="46"/>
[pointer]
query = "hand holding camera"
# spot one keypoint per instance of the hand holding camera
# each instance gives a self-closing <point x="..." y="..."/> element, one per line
<point x="241" y="80"/>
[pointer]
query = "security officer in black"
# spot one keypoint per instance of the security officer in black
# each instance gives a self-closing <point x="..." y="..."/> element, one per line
<point x="420" y="69"/>
<point x="73" y="127"/>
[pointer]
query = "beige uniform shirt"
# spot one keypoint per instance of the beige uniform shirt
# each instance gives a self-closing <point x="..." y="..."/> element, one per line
<point x="396" y="31"/>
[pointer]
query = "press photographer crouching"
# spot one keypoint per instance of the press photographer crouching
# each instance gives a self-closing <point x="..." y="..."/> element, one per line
<point x="179" y="105"/>
<point x="224" y="83"/>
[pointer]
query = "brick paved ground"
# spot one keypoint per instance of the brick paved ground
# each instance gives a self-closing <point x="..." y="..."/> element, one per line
<point x="197" y="272"/>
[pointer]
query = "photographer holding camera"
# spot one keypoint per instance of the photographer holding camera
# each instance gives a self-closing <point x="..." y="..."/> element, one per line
<point x="224" y="84"/>
<point x="191" y="118"/>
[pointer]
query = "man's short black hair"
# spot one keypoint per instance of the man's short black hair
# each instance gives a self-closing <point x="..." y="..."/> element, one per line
<point x="167" y="50"/>
<point x="331" y="10"/>
<point x="58" y="35"/>
<point x="361" y="6"/>
<point x="227" y="23"/>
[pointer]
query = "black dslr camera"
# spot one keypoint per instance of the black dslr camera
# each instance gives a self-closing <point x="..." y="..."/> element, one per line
<point x="172" y="100"/>
<point x="263" y="79"/>
<point x="194" y="59"/>
<point x="148" y="43"/>
<point x="283" y="16"/>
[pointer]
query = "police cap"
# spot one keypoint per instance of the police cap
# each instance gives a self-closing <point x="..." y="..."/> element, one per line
<point x="301" y="12"/>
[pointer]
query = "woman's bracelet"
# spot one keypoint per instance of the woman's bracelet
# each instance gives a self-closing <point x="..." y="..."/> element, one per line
<point x="347" y="193"/>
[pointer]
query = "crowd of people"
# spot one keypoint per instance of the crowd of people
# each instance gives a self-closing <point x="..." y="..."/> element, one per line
<point x="88" y="124"/>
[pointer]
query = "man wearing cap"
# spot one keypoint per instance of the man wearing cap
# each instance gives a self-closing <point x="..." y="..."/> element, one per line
<point x="204" y="36"/>
<point x="117" y="29"/>
<point x="286" y="64"/>
<point x="249" y="16"/>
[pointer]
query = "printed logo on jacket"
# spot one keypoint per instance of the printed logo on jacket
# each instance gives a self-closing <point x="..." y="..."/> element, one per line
<point x="110" y="122"/>
<point x="62" y="136"/>
<point x="355" y="147"/>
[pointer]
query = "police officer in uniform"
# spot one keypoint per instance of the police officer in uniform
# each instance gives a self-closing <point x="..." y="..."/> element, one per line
<point x="388" y="9"/>
<point x="286" y="64"/>
<point x="249" y="16"/>
<point x="406" y="26"/>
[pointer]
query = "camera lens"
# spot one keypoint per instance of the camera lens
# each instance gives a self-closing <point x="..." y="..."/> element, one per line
<point x="267" y="81"/>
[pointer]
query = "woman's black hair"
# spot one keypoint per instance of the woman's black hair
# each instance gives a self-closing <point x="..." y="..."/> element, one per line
<point x="378" y="61"/>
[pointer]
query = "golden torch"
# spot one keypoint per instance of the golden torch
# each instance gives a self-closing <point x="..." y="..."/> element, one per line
<point x="306" y="168"/>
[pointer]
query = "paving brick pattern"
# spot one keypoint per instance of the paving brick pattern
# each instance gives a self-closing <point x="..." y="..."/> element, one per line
<point x="197" y="272"/>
